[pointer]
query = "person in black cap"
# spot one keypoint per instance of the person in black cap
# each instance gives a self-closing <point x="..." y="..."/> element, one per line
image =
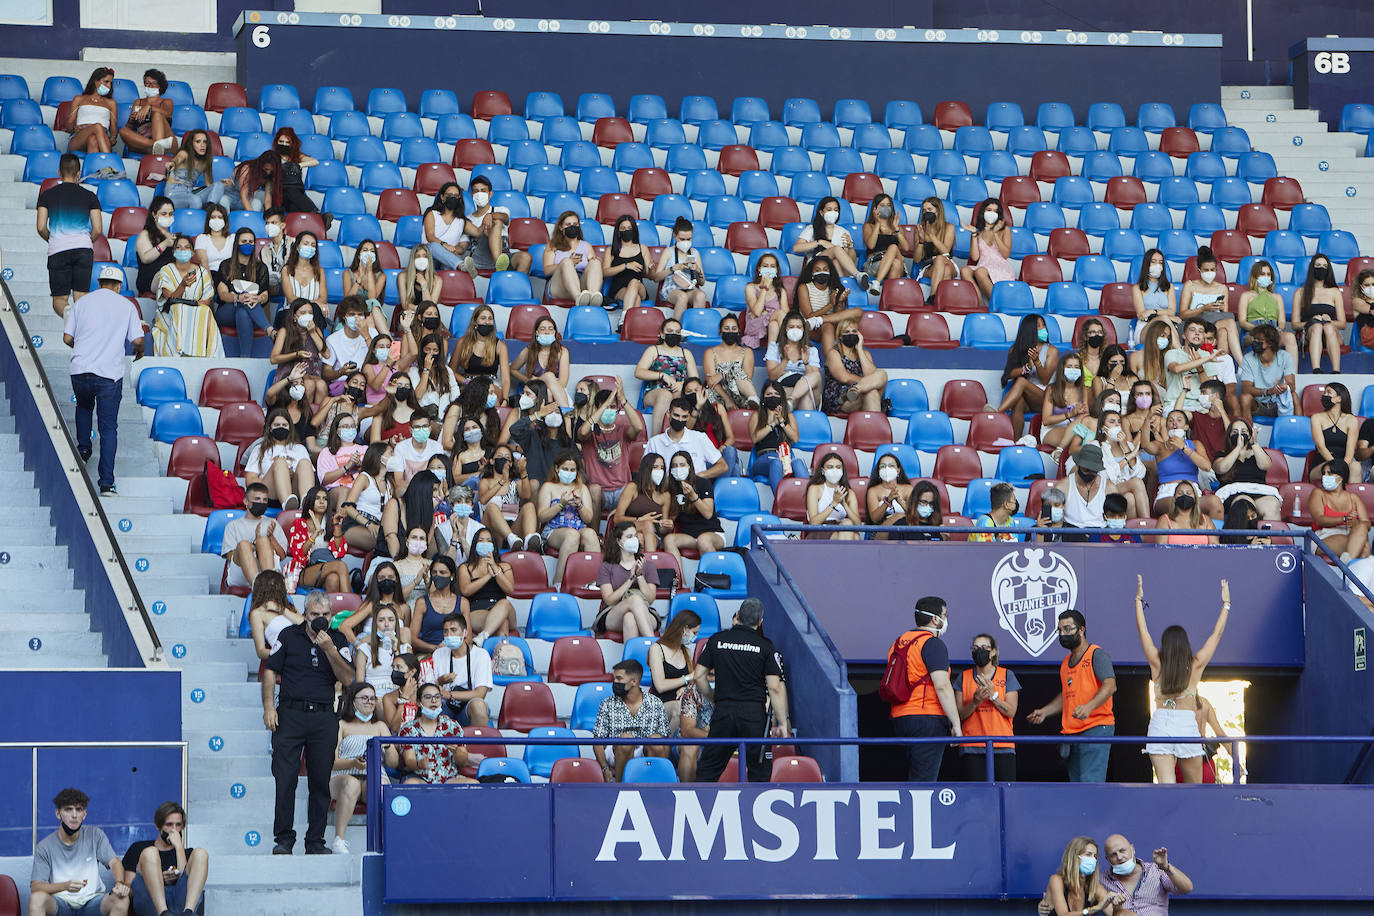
<point x="749" y="680"/>
<point x="308" y="659"/>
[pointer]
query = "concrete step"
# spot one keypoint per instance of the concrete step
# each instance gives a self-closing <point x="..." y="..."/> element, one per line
<point x="211" y="672"/>
<point x="242" y="716"/>
<point x="237" y="741"/>
<point x="217" y="766"/>
<point x="219" y="699"/>
<point x="51" y="656"/>
<point x="222" y="651"/>
<point x="1284" y="115"/>
<point x="255" y="788"/>
<point x="34" y="535"/>
<point x="1231" y="94"/>
<point x="61" y="580"/>
<point x="57" y="622"/>
<point x="271" y="900"/>
<point x="29" y="558"/>
<point x="21" y="496"/>
<point x="173" y="488"/>
<point x="56" y="644"/>
<point x="254" y="812"/>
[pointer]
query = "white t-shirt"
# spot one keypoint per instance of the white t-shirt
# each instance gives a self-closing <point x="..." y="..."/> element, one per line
<point x="414" y="458"/>
<point x="838" y="234"/>
<point x="1223" y="369"/>
<point x="100" y="323"/>
<point x="442" y="662"/>
<point x="258" y="460"/>
<point x="246" y="528"/>
<point x="344" y="349"/>
<point x="212" y="254"/>
<point x="774" y="355"/>
<point x="697" y="444"/>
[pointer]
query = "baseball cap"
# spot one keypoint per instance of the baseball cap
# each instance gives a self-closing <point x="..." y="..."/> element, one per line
<point x="112" y="273"/>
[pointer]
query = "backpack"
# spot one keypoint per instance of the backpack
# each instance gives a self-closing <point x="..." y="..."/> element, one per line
<point x="508" y="660"/>
<point x="222" y="486"/>
<point x="895" y="689"/>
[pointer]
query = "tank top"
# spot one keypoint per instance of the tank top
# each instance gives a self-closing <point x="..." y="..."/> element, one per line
<point x="1177" y="466"/>
<point x="450" y="233"/>
<point x="671" y="671"/>
<point x="1263" y="309"/>
<point x="432" y="623"/>
<point x="491" y="591"/>
<point x="88" y="115"/>
<point x="370" y="499"/>
<point x="1085" y="513"/>
<point x="1155" y="299"/>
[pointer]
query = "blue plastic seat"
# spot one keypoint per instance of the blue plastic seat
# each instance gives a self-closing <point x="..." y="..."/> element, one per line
<point x="698" y="108"/>
<point x="509" y="287"/>
<point x="59" y="89"/>
<point x="16" y="113"/>
<point x="820" y="136"/>
<point x="923" y="139"/>
<point x="1292" y="436"/>
<point x="967" y="191"/>
<point x="1019" y="465"/>
<point x="523" y="154"/>
<point x="578" y="155"/>
<point x="592" y="106"/>
<point x="174" y="419"/>
<point x="1004" y="116"/>
<point x="318" y="146"/>
<point x="524" y="647"/>
<point x="902" y="114"/>
<point x="1064" y="297"/>
<point x="438" y="104"/>
<point x="704" y="606"/>
<point x="662" y="133"/>
<point x="813" y="429"/>
<point x="798" y="112"/>
<point x="1284" y="247"/>
<point x="1123" y="245"/>
<point x="701" y="326"/>
<point x="716" y="134"/>
<point x="554" y="615"/>
<point x="383" y="101"/>
<point x="1023" y="243"/>
<point x="212" y="540"/>
<point x="540" y="758"/>
<point x="362" y="150"/>
<point x="506" y="129"/>
<point x="1077" y="141"/>
<point x="1153" y="167"/>
<point x="416" y="151"/>
<point x="331" y="99"/>
<point x="983" y="332"/>
<point x="973" y="139"/>
<point x="726" y="209"/>
<point x="1230" y="193"/>
<point x="743" y="528"/>
<point x="235" y="122"/>
<point x="1072" y="192"/>
<point x="908" y="396"/>
<point x="346" y="124"/>
<point x="930" y="430"/>
<point x="851" y="113"/>
<point x="559" y="131"/>
<point x="1231" y="142"/>
<point x="13" y="86"/>
<point x="1100" y="165"/>
<point x="945" y="164"/>
<point x="809" y="188"/>
<point x="504" y="766"/>
<point x="514" y="201"/>
<point x="410" y="231"/>
<point x="117" y="192"/>
<point x="499" y="176"/>
<point x="587" y="703"/>
<point x="716" y="263"/>
<point x="1153" y="117"/>
<point x="1012" y="297"/>
<point x="767" y="136"/>
<point x="646" y="107"/>
<point x="912" y="190"/>
<point x="1205" y="167"/>
<point x="755" y="185"/>
<point x="188" y="221"/>
<point x="735" y="496"/>
<point x="871" y="138"/>
<point x="978" y="496"/>
<point x="1204" y="219"/>
<point x="703" y="185"/>
<point x="995" y="165"/>
<point x="33" y="138"/>
<point x="1105" y="116"/>
<point x="589" y="324"/>
<point x="1026" y="140"/>
<point x="637" y="649"/>
<point x="401" y="126"/>
<point x="1129" y="142"/>
<point x="727" y="564"/>
<point x="1339" y="246"/>
<point x="451" y="128"/>
<point x="1256" y="167"/>
<point x="1151" y="219"/>
<point x="597" y="181"/>
<point x="648" y="770"/>
<point x="1177" y="244"/>
<point x="1177" y="193"/>
<point x="354" y="229"/>
<point x="540" y="105"/>
<point x="344" y="202"/>
<point x="894" y="164"/>
<point x="789" y="161"/>
<point x="729" y="292"/>
<point x="1093" y="271"/>
<point x="160" y="385"/>
<point x="840" y="161"/>
<point x="545" y="180"/>
<point x="1309" y="220"/>
<point x="377" y="177"/>
<point x="684" y="158"/>
<point x="749" y="110"/>
<point x="1207" y="117"/>
<point x="298" y="119"/>
<point x="630" y="156"/>
<point x="666" y="209"/>
<point x="1043" y="217"/>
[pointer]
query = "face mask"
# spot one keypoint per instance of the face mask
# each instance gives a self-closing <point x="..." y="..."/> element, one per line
<point x="656" y="475"/>
<point x="608" y="417"/>
<point x="1367" y="291"/>
<point x="566" y="478"/>
<point x="1056" y="513"/>
<point x="65" y="829"/>
<point x="440" y="582"/>
<point x="215" y="224"/>
<point x="273" y="230"/>
<point x="151" y="92"/>
<point x="849" y="340"/>
<point x="305" y="320"/>
<point x="677" y="424"/>
<point x="485" y="548"/>
<point x="821" y="279"/>
<point x="1113" y="433"/>
<point x="296" y="392"/>
<point x="1156" y="271"/>
<point x="1087" y="865"/>
<point x="394" y="465"/>
<point x="480" y="198"/>
<point x="1095" y="340"/>
<point x="382" y="353"/>
<point x="421" y="435"/>
<point x="1330" y="482"/>
<point x="554" y="420"/>
<point x="360" y="717"/>
<point x="526" y="401"/>
<point x="430" y="323"/>
<point x="1115" y="522"/>
<point x="429" y="713"/>
<point x="939" y="625"/>
<point x="620" y="690"/>
<point x="546" y="340"/>
<point x="681" y="473"/>
<point x="491" y="401"/>
<point x="1111" y="407"/>
<point x="422" y="264"/>
<point x="165" y="222"/>
<point x="1042" y="335"/>
<point x="166" y="837"/>
<point x="462" y="510"/>
<point x="887" y="473"/>
<point x="630" y="546"/>
<point x="182" y="255"/>
<point x="319" y="624"/>
<point x="884" y="212"/>
<point x="1071" y="374"/>
<point x="831" y="217"/>
<point x="1328" y="402"/>
<point x="452" y="203"/>
<point x="1070" y="642"/>
<point x="729" y="338"/>
<point x="925" y="510"/>
<point x="307" y="251"/>
<point x="346" y="433"/>
<point x="982" y="656"/>
<point x="684" y="245"/>
<point x="572" y="231"/>
<point x="989" y="217"/>
<point x="247" y="248"/>
<point x="398" y="678"/>
<point x="1185" y="502"/>
<point x="356" y="395"/>
<point x="352" y="322"/>
<point x="472" y="436"/>
<point x="1177" y="433"/>
<point x="928" y="217"/>
<point x="257" y="509"/>
<point x="416" y="549"/>
<point x="1266" y="282"/>
<point x="627" y="235"/>
<point x="1320" y="273"/>
<point x="102" y="89"/>
<point x="795" y="334"/>
<point x="833" y="475"/>
<point x="280" y="433"/>
<point x="388" y="586"/>
<point x="486" y="330"/>
<point x="1208" y="276"/>
<point x="1143" y="401"/>
<point x="672" y="339"/>
<point x="1162" y="342"/>
<point x="453" y="642"/>
<point x="688" y="639"/>
<point x="1204" y="401"/>
<point x="768" y="273"/>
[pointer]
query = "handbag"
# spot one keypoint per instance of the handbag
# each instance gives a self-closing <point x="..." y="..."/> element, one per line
<point x="223" y="487"/>
<point x="508" y="660"/>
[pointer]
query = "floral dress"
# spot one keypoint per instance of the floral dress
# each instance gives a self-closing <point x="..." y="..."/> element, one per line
<point x="441" y="766"/>
<point x="675" y="367"/>
<point x="300" y="544"/>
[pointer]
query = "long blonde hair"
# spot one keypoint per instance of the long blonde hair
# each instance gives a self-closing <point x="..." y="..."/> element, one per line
<point x="1074" y="880"/>
<point x="1152" y="360"/>
<point x="427" y="273"/>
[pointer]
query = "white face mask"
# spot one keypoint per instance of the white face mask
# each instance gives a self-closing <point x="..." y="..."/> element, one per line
<point x="630" y="546"/>
<point x="480" y="198"/>
<point x="273" y="230"/>
<point x="831" y="217"/>
<point x="1162" y="342"/>
<point x="151" y="92"/>
<point x="1111" y="407"/>
<point x="422" y="263"/>
<point x="684" y="245"/>
<point x="367" y="257"/>
<point x="1156" y="271"/>
<point x="417" y="547"/>
<point x="833" y="475"/>
<point x="1072" y="374"/>
<point x="887" y="473"/>
<point x="215" y="224"/>
<point x="1208" y="276"/>
<point x="296" y="392"/>
<point x="305" y="321"/>
<point x="656" y="475"/>
<point x="165" y="222"/>
<point x="795" y="334"/>
<point x="554" y="419"/>
<point x="681" y="473"/>
<point x="395" y="464"/>
<point x="1177" y="433"/>
<point x="526" y="401"/>
<point x="1204" y="401"/>
<point x="989" y="217"/>
<point x="1330" y="482"/>
<point x="1113" y="433"/>
<point x="1367" y="291"/>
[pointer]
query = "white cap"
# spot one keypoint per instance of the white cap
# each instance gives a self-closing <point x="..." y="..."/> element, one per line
<point x="111" y="272"/>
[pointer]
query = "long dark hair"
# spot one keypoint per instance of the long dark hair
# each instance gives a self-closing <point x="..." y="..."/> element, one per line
<point x="295" y="257"/>
<point x="1142" y="281"/>
<point x="1175" y="661"/>
<point x="239" y="266"/>
<point x="350" y="695"/>
<point x="419" y="501"/>
<point x="820" y="229"/>
<point x="644" y="481"/>
<point x="1027" y="336"/>
<point x="804" y="279"/>
<point x="98" y="74"/>
<point x="612" y="553"/>
<point x="919" y="489"/>
<point x="1309" y="285"/>
<point x="264" y="171"/>
<point x="156" y="233"/>
<point x="375" y="266"/>
<point x="818" y="473"/>
<point x="438" y="205"/>
<point x="634" y="229"/>
<point x="293" y="154"/>
<point x="980" y="223"/>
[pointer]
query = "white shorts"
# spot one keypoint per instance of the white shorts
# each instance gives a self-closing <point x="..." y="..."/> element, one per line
<point x="1246" y="489"/>
<point x="1174" y="723"/>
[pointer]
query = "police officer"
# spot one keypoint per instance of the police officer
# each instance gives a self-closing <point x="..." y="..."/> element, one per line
<point x="748" y="674"/>
<point x="309" y="658"/>
<point x="930" y="710"/>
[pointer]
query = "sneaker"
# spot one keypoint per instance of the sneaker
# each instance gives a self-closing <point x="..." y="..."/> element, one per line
<point x="512" y="542"/>
<point x="320" y="850"/>
<point x="339" y="845"/>
<point x="989" y="407"/>
<point x="470" y="267"/>
<point x="109" y="491"/>
<point x="596" y="300"/>
<point x="864" y="281"/>
<point x="534" y="543"/>
<point x="281" y="849"/>
<point x="85" y="453"/>
<point x="585" y="298"/>
<point x="502" y="261"/>
<point x="160" y="147"/>
<point x="479" y="639"/>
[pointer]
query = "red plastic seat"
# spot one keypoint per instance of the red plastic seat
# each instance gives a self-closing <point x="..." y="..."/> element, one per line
<point x="877" y="332"/>
<point x="789" y="499"/>
<point x="1108" y="330"/>
<point x="1124" y="192"/>
<point x="1257" y="220"/>
<point x="866" y="430"/>
<point x="575" y="769"/>
<point x="612" y="207"/>
<point x="636" y="455"/>
<point x="1230" y="245"/>
<point x="526" y="232"/>
<point x="648" y="183"/>
<point x="526" y="705"/>
<point x="220" y="96"/>
<point x="455" y="287"/>
<point x="530" y="574"/>
<point x="149" y="166"/>
<point x="221" y="387"/>
<point x="861" y="187"/>
<point x="963" y="398"/>
<point x="796" y="769"/>
<point x="929" y="330"/>
<point x="296" y="223"/>
<point x="1068" y="244"/>
<point x="611" y="132"/>
<point x="742" y="425"/>
<point x="902" y="295"/>
<point x="1312" y="400"/>
<point x="1190" y="271"/>
<point x="523" y="318"/>
<point x="238" y="591"/>
<point x="127" y="222"/>
<point x="952" y="115"/>
<point x="472" y="151"/>
<point x="197" y="500"/>
<point x="394" y="203"/>
<point x="189" y="454"/>
<point x="1041" y="269"/>
<point x="777" y="212"/>
<point x="744" y="237"/>
<point x="845" y="453"/>
<point x="1293" y="503"/>
<point x="487" y="750"/>
<point x="986" y="428"/>
<point x="578" y="574"/>
<point x="577" y="660"/>
<point x="431" y="176"/>
<point x="736" y="158"/>
<point x="1019" y="191"/>
<point x="1282" y="193"/>
<point x="1117" y="301"/>
<point x="1049" y="165"/>
<point x="1353" y="269"/>
<point x="240" y="424"/>
<point x="956" y="465"/>
<point x="1365" y="491"/>
<point x="387" y="258"/>
<point x="1037" y="491"/>
<point x="488" y="103"/>
<point x="1179" y="142"/>
<point x="958" y="297"/>
<point x="344" y="601"/>
<point x="641" y="325"/>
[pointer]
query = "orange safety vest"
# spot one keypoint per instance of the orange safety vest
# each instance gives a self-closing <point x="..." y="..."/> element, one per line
<point x="924" y="701"/>
<point x="1080" y="685"/>
<point x="986" y="719"/>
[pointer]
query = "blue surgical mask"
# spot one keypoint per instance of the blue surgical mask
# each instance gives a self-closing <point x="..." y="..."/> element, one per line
<point x="924" y="511"/>
<point x="1087" y="865"/>
<point x="381" y="353"/>
<point x="183" y="255"/>
<point x="352" y="322"/>
<point x="485" y="548"/>
<point x="1042" y="335"/>
<point x="491" y="401"/>
<point x="1124" y="868"/>
<point x="544" y="340"/>
<point x="607" y="417"/>
<point x="247" y="249"/>
<point x="307" y="251"/>
<point x="357" y="714"/>
<point x="567" y="477"/>
<point x="348" y="433"/>
<point x="439" y="472"/>
<point x="420" y="436"/>
<point x="102" y="89"/>
<point x="1056" y="513"/>
<point x="1115" y="522"/>
<point x="453" y="642"/>
<point x="462" y="510"/>
<point x="1072" y="374"/>
<point x="432" y="713"/>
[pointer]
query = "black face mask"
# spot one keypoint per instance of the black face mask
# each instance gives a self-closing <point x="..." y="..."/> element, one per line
<point x="677" y="425"/>
<point x="1087" y="477"/>
<point x="773" y="402"/>
<point x="319" y="624"/>
<point x="486" y="330"/>
<point x="572" y="232"/>
<point x="280" y="433"/>
<point x="729" y="338"/>
<point x="69" y="831"/>
<point x="672" y="339"/>
<point x="1185" y="502"/>
<point x="500" y="465"/>
<point x="849" y="340"/>
<point x="627" y="235"/>
<point x="386" y="586"/>
<point x="440" y="582"/>
<point x="166" y="838"/>
<point x="981" y="656"/>
<point x="452" y="203"/>
<point x="620" y="690"/>
<point x="402" y="394"/>
<point x="399" y="678"/>
<point x="927" y="217"/>
<point x="1095" y="340"/>
<point x="1328" y="402"/>
<point x="257" y="509"/>
<point x="1321" y="273"/>
<point x="1070" y="642"/>
<point x="430" y="323"/>
<point x="1256" y="347"/>
<point x="580" y="399"/>
<point x="358" y="395"/>
<point x="822" y="278"/>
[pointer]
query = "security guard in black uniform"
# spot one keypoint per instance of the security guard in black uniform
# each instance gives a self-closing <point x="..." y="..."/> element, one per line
<point x="308" y="660"/>
<point x="748" y="674"/>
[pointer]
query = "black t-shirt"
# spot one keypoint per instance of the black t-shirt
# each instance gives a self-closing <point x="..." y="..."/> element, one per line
<point x="169" y="856"/>
<point x="1366" y="433"/>
<point x="302" y="667"/>
<point x="935" y="655"/>
<point x="255" y="273"/>
<point x="69" y="207"/>
<point x="742" y="658"/>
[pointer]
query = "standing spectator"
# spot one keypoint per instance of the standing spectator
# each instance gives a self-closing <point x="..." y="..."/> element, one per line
<point x="309" y="660"/>
<point x="96" y="328"/>
<point x="1087" y="682"/>
<point x="358" y="722"/>
<point x="706" y="458"/>
<point x="149" y="127"/>
<point x="69" y="220"/>
<point x="1145" y="885"/>
<point x="1076" y="888"/>
<point x="988" y="697"/>
<point x="628" y="713"/>
<point x="66" y="866"/>
<point x="606" y="443"/>
<point x="748" y="685"/>
<point x="168" y="876"/>
<point x="930" y="709"/>
<point x="1267" y="377"/>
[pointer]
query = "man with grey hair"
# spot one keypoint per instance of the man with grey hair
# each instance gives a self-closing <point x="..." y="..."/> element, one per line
<point x="307" y="660"/>
<point x="748" y="682"/>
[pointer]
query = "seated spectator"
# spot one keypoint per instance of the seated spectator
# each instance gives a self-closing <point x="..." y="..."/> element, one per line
<point x="485" y="584"/>
<point x="1267" y="376"/>
<point x="316" y="547"/>
<point x="1242" y="467"/>
<point x="1184" y="512"/>
<point x="257" y="183"/>
<point x="1086" y="489"/>
<point x="989" y="248"/>
<point x="537" y="429"/>
<point x="1177" y="459"/>
<point x="1155" y="298"/>
<point x="479" y="352"/>
<point x="252" y="543"/>
<point x="572" y="268"/>
<point x="606" y="440"/>
<point x="280" y="462"/>
<point x="1319" y="313"/>
<point x="1052" y="503"/>
<point x="379" y="368"/>
<point x="647" y="503"/>
<point x="764" y="297"/>
<point x="729" y="369"/>
<point x="1114" y="515"/>
<point x="1158" y="339"/>
<point x="371" y="419"/>
<point x="433" y="764"/>
<point x="694" y="721"/>
<point x="168" y="876"/>
<point x="293" y="197"/>
<point x="433" y="383"/>
<point x="1242" y="515"/>
<point x="1147" y="886"/>
<point x="366" y="280"/>
<point x="92" y="116"/>
<point x="277" y="249"/>
<point x="824" y="236"/>
<point x="470" y="459"/>
<point x="794" y="363"/>
<point x="1211" y="420"/>
<point x="1030" y="367"/>
<point x="419" y="283"/>
<point x="149" y="126"/>
<point x="462" y="670"/>
<point x="1075" y="888"/>
<point x="923" y="510"/>
<point x="1091" y="348"/>
<point x="831" y="501"/>
<point x="670" y="662"/>
<point x="401" y="705"/>
<point x="440" y="599"/>
<point x="374" y="653"/>
<point x="565" y="512"/>
<point x="190" y="175"/>
<point x="1065" y="406"/>
<point x="695" y="523"/>
<point x="774" y="431"/>
<point x="369" y="506"/>
<point x="889" y="494"/>
<point x="663" y="367"/>
<point x="301" y="341"/>
<point x="485" y="228"/>
<point x="993" y="525"/>
<point x="358" y="722"/>
<point x="185" y="292"/>
<point x="215" y="244"/>
<point x="1114" y="373"/>
<point x="822" y="300"/>
<point x="1122" y="462"/>
<point x="388" y="588"/>
<point x="1338" y="515"/>
<point x="1362" y="305"/>
<point x="629" y="584"/>
<point x="1259" y="305"/>
<point x="507" y="491"/>
<point x="153" y="243"/>
<point x="852" y="382"/>
<point x="1335" y="434"/>
<point x="302" y="277"/>
<point x="65" y="876"/>
<point x="270" y="612"/>
<point x="445" y="241"/>
<point x="545" y="359"/>
<point x="1205" y="298"/>
<point x="680" y="276"/>
<point x="349" y="345"/>
<point x="712" y="420"/>
<point x="934" y="245"/>
<point x="707" y="460"/>
<point x="242" y="285"/>
<point x="629" y="713"/>
<point x="288" y="393"/>
<point x="626" y="265"/>
<point x="886" y="243"/>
